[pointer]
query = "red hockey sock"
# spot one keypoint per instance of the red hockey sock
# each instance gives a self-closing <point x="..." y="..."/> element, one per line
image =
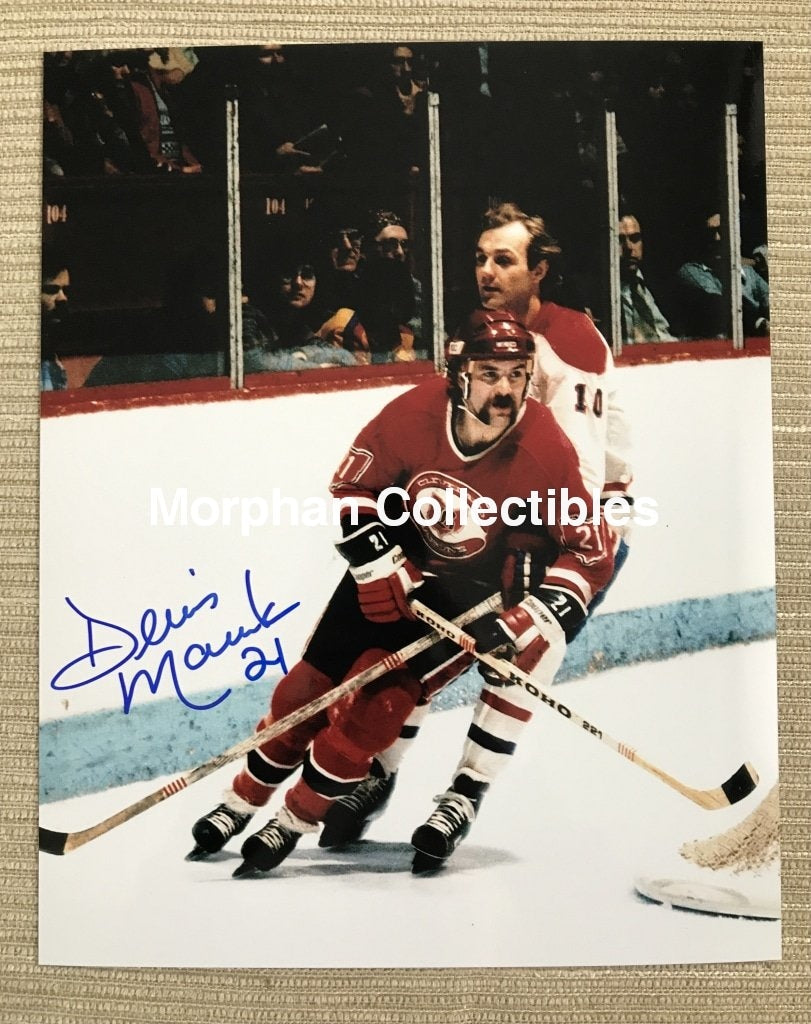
<point x="271" y="764"/>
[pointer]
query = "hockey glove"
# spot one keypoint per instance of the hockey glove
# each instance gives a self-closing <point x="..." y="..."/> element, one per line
<point x="383" y="574"/>
<point x="524" y="633"/>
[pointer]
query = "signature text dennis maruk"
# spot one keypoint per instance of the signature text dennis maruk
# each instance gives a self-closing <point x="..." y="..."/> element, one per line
<point x="155" y="651"/>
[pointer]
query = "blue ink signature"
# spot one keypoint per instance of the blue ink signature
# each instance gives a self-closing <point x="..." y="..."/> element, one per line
<point x="111" y="646"/>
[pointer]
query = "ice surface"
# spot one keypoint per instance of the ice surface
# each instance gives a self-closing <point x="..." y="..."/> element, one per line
<point x="545" y="877"/>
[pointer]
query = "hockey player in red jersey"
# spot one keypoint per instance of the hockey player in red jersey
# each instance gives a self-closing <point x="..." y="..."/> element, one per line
<point x="479" y="441"/>
<point x="574" y="377"/>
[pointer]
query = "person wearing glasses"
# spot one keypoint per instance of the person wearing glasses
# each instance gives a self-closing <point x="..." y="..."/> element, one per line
<point x="385" y="124"/>
<point x="642" y="320"/>
<point x="294" y="314"/>
<point x="341" y="243"/>
<point x="376" y="300"/>
<point x="390" y="238"/>
<point x="54" y="296"/>
<point x="344" y="249"/>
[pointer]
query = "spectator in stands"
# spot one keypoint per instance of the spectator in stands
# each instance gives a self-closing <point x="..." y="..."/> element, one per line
<point x="117" y="111"/>
<point x="341" y="242"/>
<point x="57" y="139"/>
<point x="375" y="308"/>
<point x="386" y="125"/>
<point x="379" y="326"/>
<point x="345" y="249"/>
<point x="54" y="294"/>
<point x="390" y="242"/>
<point x="703" y="297"/>
<point x="67" y="148"/>
<point x="294" y="313"/>
<point x="160" y="120"/>
<point x="91" y="125"/>
<point x="760" y="261"/>
<point x="642" y="320"/>
<point x="408" y="85"/>
<point x="282" y="128"/>
<point x="290" y="297"/>
<point x="387" y="239"/>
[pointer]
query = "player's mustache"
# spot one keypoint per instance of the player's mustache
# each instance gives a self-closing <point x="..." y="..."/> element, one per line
<point x="501" y="402"/>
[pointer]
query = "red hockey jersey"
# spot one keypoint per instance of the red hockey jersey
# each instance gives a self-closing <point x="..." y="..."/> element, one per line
<point x="410" y="445"/>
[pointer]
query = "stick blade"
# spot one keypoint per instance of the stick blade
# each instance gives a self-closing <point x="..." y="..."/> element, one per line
<point x="740" y="784"/>
<point x="52" y="842"/>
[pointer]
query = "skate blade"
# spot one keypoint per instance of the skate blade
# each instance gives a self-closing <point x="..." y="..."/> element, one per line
<point x="198" y="853"/>
<point x="425" y="864"/>
<point x="329" y="840"/>
<point x="248" y="870"/>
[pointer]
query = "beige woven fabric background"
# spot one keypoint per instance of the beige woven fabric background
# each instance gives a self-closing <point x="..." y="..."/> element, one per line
<point x="776" y="993"/>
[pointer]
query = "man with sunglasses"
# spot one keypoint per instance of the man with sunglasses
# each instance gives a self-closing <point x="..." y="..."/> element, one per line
<point x="54" y="295"/>
<point x="344" y="249"/>
<point x="642" y="320"/>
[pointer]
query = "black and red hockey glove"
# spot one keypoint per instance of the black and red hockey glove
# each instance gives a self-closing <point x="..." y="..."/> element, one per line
<point x="524" y="633"/>
<point x="383" y="574"/>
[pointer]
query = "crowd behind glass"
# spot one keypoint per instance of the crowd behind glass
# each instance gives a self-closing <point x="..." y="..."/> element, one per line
<point x="333" y="151"/>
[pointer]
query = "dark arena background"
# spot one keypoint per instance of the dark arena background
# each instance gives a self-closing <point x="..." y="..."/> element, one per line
<point x="279" y="149"/>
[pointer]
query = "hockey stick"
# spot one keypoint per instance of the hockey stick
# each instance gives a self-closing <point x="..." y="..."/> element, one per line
<point x="59" y="843"/>
<point x="739" y="785"/>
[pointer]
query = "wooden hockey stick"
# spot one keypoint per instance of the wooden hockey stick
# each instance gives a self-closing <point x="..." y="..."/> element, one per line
<point x="59" y="843"/>
<point x="739" y="785"/>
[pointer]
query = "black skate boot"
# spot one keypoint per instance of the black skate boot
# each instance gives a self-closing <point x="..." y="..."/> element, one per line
<point x="436" y="840"/>
<point x="268" y="847"/>
<point x="213" y="831"/>
<point x="349" y="817"/>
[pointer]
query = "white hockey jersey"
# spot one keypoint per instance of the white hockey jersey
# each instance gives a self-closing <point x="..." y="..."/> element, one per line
<point x="575" y="377"/>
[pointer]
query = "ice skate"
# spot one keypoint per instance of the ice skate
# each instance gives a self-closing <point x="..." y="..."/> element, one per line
<point x="350" y="816"/>
<point x="213" y="830"/>
<point x="267" y="848"/>
<point x="436" y="840"/>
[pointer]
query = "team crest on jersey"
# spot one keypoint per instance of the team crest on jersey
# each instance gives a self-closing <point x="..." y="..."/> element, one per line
<point x="455" y="534"/>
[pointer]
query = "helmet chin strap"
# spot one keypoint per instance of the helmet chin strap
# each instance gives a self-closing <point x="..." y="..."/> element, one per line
<point x="473" y="430"/>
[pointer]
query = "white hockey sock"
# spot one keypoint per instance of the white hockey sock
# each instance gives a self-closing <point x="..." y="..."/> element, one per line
<point x="391" y="758"/>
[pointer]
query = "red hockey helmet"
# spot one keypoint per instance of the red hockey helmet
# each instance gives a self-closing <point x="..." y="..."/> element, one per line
<point x="486" y="334"/>
<point x="491" y="334"/>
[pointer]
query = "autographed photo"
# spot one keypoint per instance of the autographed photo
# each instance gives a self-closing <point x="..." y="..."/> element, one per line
<point x="407" y="565"/>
